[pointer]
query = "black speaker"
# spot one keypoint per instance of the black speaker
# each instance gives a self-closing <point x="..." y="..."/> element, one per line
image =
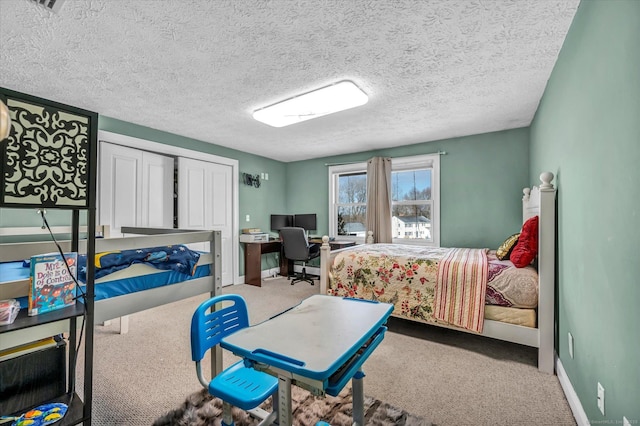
<point x="32" y="379"/>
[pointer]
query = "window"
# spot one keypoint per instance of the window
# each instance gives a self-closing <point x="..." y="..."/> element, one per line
<point x="413" y="205"/>
<point x="349" y="200"/>
<point x="415" y="200"/>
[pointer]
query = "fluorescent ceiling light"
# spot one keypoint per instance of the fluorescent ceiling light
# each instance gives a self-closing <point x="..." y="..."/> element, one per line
<point x="327" y="100"/>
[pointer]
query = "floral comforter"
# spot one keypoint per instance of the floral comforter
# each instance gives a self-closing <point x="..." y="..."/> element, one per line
<point x="406" y="275"/>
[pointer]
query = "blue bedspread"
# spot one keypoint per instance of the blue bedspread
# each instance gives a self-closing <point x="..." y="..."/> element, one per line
<point x="177" y="258"/>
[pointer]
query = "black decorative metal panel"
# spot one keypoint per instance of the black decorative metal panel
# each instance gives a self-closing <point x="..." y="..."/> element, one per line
<point x="46" y="156"/>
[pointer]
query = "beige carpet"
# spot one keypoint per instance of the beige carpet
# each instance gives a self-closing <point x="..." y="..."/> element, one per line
<point x="447" y="377"/>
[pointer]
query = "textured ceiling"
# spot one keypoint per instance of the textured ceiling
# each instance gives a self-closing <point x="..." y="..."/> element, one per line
<point x="432" y="69"/>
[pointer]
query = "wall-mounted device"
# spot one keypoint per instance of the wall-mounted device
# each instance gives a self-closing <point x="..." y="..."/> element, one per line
<point x="251" y="180"/>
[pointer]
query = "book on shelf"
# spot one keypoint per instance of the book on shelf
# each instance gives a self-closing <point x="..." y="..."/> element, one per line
<point x="28" y="348"/>
<point x="52" y="283"/>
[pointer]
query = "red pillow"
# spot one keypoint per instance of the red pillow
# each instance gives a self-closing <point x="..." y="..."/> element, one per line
<point x="527" y="247"/>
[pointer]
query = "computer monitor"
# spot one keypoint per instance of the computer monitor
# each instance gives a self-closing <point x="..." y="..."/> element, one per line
<point x="279" y="221"/>
<point x="306" y="221"/>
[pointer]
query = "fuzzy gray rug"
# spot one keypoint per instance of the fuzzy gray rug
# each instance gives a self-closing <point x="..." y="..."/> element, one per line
<point x="200" y="409"/>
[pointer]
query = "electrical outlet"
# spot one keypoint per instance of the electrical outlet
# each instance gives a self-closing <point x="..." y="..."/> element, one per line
<point x="601" y="398"/>
<point x="570" y="345"/>
<point x="248" y="218"/>
<point x="625" y="422"/>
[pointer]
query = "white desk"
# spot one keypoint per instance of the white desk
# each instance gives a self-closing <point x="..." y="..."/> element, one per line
<point x="319" y="345"/>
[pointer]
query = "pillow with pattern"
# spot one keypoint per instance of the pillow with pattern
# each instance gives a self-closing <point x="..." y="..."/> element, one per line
<point x="507" y="246"/>
<point x="526" y="249"/>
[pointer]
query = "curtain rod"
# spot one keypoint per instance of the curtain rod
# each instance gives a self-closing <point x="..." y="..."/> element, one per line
<point x="356" y="162"/>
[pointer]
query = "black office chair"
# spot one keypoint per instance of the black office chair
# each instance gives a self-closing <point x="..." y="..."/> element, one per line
<point x="297" y="249"/>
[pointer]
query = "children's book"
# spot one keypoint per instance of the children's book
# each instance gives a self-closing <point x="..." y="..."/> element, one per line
<point x="52" y="283"/>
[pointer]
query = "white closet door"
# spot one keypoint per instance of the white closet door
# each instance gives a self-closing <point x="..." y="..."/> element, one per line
<point x="157" y="191"/>
<point x="120" y="185"/>
<point x="136" y="188"/>
<point x="205" y="202"/>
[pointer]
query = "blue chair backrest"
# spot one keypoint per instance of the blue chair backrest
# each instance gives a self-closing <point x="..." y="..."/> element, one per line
<point x="208" y="328"/>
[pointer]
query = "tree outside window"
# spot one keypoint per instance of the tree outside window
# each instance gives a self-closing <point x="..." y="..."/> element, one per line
<point x="352" y="203"/>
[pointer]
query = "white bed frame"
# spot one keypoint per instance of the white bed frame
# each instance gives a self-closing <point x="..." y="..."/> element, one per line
<point x="120" y="306"/>
<point x="539" y="201"/>
<point x="115" y="307"/>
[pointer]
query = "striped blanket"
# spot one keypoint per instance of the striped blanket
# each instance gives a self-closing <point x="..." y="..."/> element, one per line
<point x="460" y="288"/>
<point x="406" y="276"/>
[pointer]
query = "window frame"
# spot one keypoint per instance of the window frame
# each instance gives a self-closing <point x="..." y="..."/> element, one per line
<point x="423" y="161"/>
<point x="334" y="174"/>
<point x="417" y="162"/>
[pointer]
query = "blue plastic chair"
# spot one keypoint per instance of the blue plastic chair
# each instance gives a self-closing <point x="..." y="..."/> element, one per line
<point x="237" y="385"/>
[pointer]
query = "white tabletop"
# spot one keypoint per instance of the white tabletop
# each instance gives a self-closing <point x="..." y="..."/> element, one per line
<point x="317" y="336"/>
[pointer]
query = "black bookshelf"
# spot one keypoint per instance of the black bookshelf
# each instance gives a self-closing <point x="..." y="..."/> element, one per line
<point x="75" y="410"/>
<point x="73" y="189"/>
<point x="25" y="321"/>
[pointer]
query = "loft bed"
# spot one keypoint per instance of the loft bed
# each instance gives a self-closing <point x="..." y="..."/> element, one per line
<point x="336" y="279"/>
<point x="158" y="287"/>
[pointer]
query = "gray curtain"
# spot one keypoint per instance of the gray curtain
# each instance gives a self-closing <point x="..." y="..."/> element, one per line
<point x="379" y="199"/>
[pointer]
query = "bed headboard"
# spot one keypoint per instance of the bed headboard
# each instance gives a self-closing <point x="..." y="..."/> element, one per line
<point x="541" y="201"/>
<point x="533" y="200"/>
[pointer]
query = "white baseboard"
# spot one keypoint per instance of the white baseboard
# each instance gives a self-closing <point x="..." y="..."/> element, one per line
<point x="571" y="395"/>
<point x="268" y="273"/>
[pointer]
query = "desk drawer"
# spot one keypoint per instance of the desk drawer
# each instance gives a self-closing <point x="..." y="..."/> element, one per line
<point x="340" y="378"/>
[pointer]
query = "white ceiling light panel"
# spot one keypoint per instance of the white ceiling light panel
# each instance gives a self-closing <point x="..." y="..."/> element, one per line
<point x="327" y="100"/>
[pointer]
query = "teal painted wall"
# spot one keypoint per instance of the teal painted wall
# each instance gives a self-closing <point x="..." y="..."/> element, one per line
<point x="30" y="218"/>
<point x="481" y="181"/>
<point x="587" y="131"/>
